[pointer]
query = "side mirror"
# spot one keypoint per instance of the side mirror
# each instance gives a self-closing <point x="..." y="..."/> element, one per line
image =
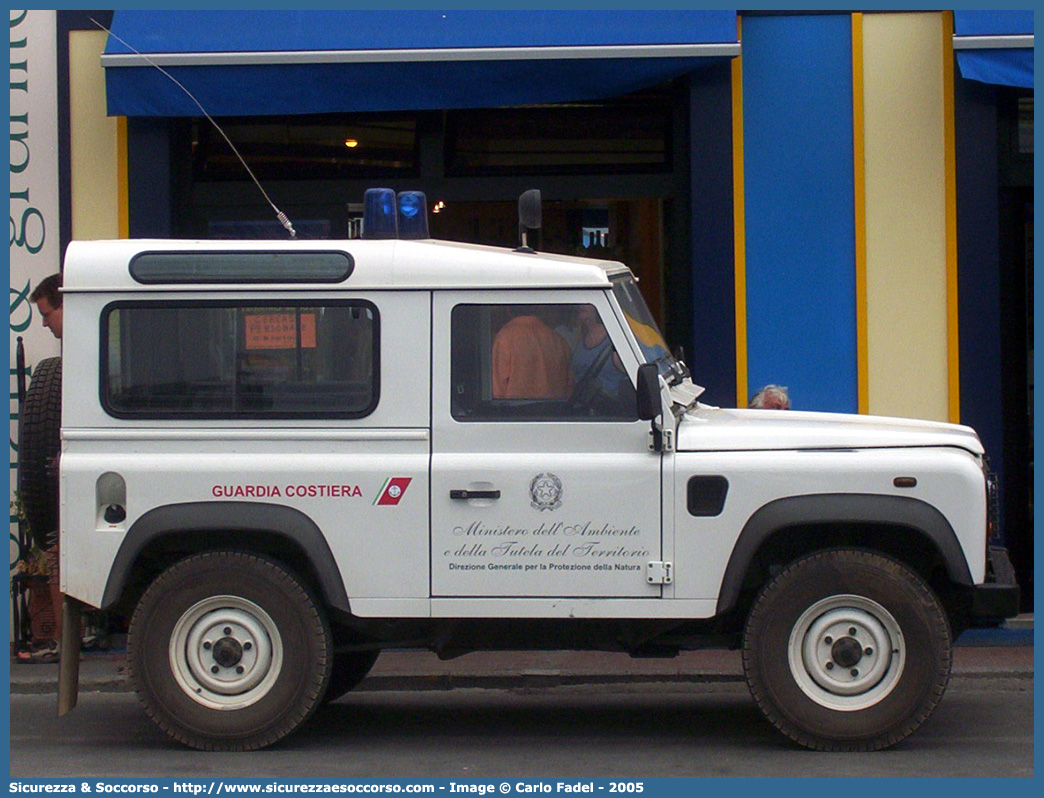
<point x="529" y="217"/>
<point x="529" y="209"/>
<point x="649" y="400"/>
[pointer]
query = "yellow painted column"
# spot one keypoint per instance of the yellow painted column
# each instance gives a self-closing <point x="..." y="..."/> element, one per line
<point x="950" y="132"/>
<point x="739" y="213"/>
<point x="907" y="216"/>
<point x="859" y="204"/>
<point x="98" y="153"/>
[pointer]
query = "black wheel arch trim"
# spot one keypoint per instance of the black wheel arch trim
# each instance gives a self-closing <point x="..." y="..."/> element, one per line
<point x="253" y="517"/>
<point x="844" y="508"/>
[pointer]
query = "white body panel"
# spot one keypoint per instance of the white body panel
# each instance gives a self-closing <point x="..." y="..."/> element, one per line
<point x="184" y="461"/>
<point x="262" y="471"/>
<point x="948" y="479"/>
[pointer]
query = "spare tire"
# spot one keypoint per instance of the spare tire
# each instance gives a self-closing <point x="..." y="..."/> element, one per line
<point x="41" y="432"/>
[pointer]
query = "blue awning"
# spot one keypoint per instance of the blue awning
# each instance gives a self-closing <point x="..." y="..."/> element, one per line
<point x="995" y="46"/>
<point x="239" y="63"/>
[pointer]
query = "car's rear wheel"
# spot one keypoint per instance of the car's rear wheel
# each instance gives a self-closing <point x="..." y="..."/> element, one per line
<point x="229" y="651"/>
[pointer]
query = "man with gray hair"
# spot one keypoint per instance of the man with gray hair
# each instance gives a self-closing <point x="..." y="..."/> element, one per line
<point x="771" y="397"/>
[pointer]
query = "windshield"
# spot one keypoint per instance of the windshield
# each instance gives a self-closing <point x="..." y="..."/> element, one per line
<point x="644" y="327"/>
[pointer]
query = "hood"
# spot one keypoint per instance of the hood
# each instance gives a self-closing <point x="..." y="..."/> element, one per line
<point x="705" y="429"/>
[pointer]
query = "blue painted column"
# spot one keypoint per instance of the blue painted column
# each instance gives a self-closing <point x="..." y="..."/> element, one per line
<point x="800" y="218"/>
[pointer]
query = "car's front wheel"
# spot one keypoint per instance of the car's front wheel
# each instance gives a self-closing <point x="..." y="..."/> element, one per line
<point x="847" y="650"/>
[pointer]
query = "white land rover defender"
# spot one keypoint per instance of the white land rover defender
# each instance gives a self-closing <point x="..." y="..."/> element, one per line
<point x="279" y="458"/>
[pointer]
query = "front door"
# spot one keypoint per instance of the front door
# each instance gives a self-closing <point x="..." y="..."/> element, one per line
<point x="543" y="483"/>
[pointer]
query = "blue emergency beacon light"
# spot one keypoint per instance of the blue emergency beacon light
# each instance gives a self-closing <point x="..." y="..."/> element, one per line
<point x="380" y="219"/>
<point x="413" y="215"/>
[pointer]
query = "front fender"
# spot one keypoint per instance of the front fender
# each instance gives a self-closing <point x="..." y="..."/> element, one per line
<point x="840" y="508"/>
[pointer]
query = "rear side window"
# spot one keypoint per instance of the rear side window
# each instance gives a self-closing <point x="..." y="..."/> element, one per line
<point x="240" y="359"/>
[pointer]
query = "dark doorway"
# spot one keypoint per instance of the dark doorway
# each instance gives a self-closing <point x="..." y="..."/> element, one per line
<point x="1015" y="150"/>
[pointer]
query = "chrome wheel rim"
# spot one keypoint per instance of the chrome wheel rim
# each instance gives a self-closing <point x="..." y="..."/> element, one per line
<point x="226" y="652"/>
<point x="846" y="652"/>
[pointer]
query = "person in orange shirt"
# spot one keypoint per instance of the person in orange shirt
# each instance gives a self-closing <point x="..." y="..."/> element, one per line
<point x="531" y="361"/>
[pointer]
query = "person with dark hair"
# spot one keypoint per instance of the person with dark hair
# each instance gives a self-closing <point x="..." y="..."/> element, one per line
<point x="48" y="298"/>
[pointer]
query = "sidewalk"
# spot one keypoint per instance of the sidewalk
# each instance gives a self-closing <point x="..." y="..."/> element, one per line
<point x="979" y="653"/>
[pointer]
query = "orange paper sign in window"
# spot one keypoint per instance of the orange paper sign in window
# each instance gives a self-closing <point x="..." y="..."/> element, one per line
<point x="279" y="331"/>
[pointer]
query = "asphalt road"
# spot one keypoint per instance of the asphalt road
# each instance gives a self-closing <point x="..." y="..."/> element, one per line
<point x="984" y="727"/>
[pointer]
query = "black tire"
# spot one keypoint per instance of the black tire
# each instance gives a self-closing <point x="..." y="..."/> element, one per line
<point x="253" y="621"/>
<point x="809" y="676"/>
<point x="349" y="669"/>
<point x="40" y="443"/>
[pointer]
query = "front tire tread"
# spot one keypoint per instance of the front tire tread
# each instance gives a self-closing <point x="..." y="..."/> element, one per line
<point x="768" y="605"/>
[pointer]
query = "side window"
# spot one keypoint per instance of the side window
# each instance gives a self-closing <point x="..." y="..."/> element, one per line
<point x="536" y="363"/>
<point x="240" y="360"/>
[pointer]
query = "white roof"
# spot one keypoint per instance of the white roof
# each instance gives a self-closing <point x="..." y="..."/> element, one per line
<point x="427" y="264"/>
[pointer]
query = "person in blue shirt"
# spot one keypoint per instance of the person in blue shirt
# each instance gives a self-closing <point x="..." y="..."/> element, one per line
<point x="595" y="362"/>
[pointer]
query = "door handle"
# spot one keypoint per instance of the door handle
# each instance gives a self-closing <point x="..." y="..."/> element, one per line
<point x="474" y="494"/>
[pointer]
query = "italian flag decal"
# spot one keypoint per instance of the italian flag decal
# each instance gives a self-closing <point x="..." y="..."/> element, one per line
<point x="392" y="491"/>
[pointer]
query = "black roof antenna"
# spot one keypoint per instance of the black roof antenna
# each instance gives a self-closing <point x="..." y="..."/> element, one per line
<point x="529" y="216"/>
<point x="280" y="216"/>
